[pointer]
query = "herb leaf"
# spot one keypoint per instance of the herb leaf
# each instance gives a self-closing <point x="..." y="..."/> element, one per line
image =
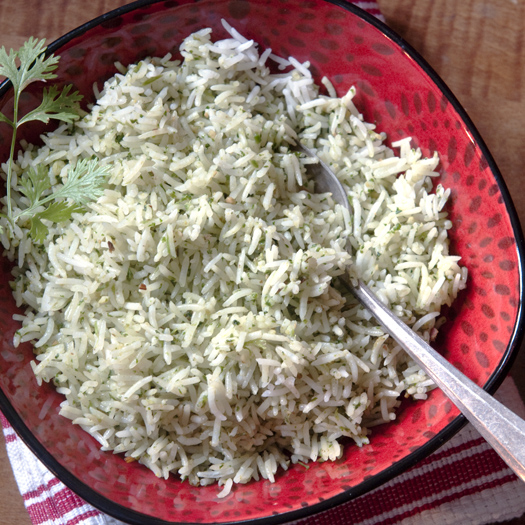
<point x="38" y="230"/>
<point x="58" y="105"/>
<point x="33" y="65"/>
<point x="59" y="211"/>
<point x="56" y="212"/>
<point x="36" y="183"/>
<point x="84" y="182"/>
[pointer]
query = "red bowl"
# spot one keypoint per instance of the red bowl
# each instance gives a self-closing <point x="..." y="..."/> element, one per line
<point x="397" y="90"/>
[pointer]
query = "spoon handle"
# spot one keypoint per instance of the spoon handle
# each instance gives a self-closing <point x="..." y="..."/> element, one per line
<point x="501" y="427"/>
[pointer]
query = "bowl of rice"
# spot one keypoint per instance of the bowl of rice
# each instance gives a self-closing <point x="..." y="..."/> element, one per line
<point x="182" y="350"/>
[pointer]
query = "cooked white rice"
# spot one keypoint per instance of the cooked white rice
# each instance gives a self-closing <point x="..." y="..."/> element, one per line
<point x="192" y="317"/>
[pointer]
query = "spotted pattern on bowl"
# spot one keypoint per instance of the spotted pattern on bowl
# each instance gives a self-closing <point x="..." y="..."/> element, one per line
<point x="402" y="95"/>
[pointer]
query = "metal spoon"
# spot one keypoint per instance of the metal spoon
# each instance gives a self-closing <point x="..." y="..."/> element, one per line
<point x="501" y="427"/>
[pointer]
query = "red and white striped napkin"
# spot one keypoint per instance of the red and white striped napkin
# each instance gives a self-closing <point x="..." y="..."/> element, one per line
<point x="464" y="482"/>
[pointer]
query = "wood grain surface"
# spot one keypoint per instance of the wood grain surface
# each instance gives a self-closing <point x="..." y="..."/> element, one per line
<point x="476" y="46"/>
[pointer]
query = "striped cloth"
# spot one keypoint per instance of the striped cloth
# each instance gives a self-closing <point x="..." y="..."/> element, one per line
<point x="464" y="482"/>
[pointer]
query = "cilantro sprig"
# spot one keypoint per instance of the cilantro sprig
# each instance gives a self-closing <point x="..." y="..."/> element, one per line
<point x="84" y="182"/>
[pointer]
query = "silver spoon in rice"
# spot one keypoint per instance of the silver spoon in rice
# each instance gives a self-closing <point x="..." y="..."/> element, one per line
<point x="501" y="427"/>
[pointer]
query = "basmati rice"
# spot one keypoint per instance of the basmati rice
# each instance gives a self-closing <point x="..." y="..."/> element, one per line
<point x="192" y="316"/>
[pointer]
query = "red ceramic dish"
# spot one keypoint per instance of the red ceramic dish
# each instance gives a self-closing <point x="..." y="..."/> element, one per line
<point x="399" y="92"/>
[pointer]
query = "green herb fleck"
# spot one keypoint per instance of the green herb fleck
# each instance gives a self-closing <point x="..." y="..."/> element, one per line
<point x="151" y="80"/>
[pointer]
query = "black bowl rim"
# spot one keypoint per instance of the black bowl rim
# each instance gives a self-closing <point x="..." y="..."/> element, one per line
<point x="136" y="518"/>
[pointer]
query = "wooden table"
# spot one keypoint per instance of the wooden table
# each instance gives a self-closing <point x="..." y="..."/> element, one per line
<point x="477" y="47"/>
